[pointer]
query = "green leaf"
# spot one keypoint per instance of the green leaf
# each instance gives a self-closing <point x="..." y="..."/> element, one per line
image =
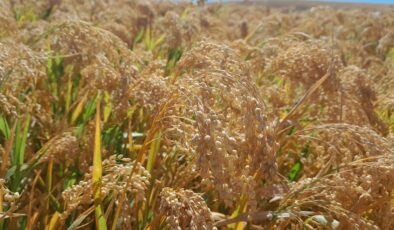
<point x="100" y="219"/>
<point x="10" y="172"/>
<point x="90" y="109"/>
<point x="79" y="130"/>
<point x="45" y="15"/>
<point x="295" y="171"/>
<point x="70" y="181"/>
<point x="20" y="141"/>
<point x="24" y="139"/>
<point x="5" y="129"/>
<point x="173" y="57"/>
<point x="138" y="38"/>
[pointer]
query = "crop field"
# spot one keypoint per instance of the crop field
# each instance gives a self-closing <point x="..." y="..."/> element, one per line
<point x="152" y="115"/>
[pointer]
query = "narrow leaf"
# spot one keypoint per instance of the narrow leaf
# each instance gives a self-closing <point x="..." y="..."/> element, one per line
<point x="97" y="171"/>
<point x="240" y="209"/>
<point x="20" y="141"/>
<point x="54" y="222"/>
<point x="5" y="129"/>
<point x="295" y="171"/>
<point x="153" y="151"/>
<point x="78" y="110"/>
<point x="107" y="107"/>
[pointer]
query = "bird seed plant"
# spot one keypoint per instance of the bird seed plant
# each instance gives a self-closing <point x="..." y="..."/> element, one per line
<point x="136" y="114"/>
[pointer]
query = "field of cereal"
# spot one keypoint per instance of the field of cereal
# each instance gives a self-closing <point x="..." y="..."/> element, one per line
<point x="136" y="114"/>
